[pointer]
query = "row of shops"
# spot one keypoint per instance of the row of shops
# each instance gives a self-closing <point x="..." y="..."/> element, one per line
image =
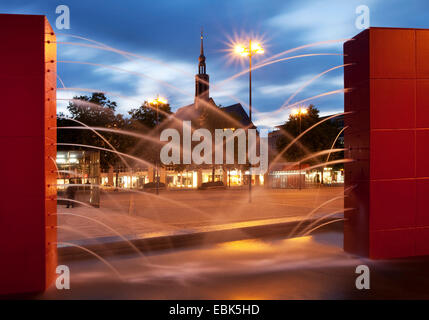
<point x="83" y="168"/>
<point x="292" y="179"/>
<point x="190" y="179"/>
<point x="279" y="179"/>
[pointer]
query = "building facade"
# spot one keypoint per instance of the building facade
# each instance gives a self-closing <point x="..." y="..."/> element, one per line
<point x="202" y="113"/>
<point x="286" y="175"/>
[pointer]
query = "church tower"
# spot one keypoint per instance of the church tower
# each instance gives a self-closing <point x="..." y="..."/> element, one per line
<point x="202" y="78"/>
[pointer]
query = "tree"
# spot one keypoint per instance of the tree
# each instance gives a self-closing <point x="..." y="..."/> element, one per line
<point x="319" y="138"/>
<point x="146" y="117"/>
<point x="94" y="111"/>
<point x="144" y="121"/>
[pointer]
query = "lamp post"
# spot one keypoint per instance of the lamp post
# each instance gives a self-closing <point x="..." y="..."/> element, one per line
<point x="252" y="49"/>
<point x="299" y="112"/>
<point x="156" y="102"/>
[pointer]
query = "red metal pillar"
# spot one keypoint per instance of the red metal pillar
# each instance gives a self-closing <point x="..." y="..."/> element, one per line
<point x="28" y="151"/>
<point x="388" y="136"/>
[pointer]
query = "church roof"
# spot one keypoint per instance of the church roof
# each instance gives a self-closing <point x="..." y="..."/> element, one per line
<point x="190" y="112"/>
<point x="235" y="111"/>
<point x="207" y="112"/>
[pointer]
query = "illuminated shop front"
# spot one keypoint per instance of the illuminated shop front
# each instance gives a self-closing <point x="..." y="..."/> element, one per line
<point x="288" y="179"/>
<point x="330" y="176"/>
<point x="187" y="179"/>
<point x="286" y="176"/>
<point x="124" y="179"/>
<point x="80" y="169"/>
<point x="235" y="178"/>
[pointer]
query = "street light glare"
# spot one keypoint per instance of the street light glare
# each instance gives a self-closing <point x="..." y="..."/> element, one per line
<point x="299" y="111"/>
<point x="241" y="50"/>
<point x="162" y="100"/>
<point x="253" y="48"/>
<point x="257" y="48"/>
<point x="159" y="100"/>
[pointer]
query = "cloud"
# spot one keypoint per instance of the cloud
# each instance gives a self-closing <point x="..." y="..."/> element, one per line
<point x="72" y="52"/>
<point x="268" y="120"/>
<point x="63" y="98"/>
<point x="282" y="90"/>
<point x="337" y="81"/>
<point x="331" y="111"/>
<point x="130" y="82"/>
<point x="286" y="90"/>
<point x="316" y="21"/>
<point x="144" y="76"/>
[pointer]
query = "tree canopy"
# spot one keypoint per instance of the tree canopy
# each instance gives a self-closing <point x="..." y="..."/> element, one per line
<point x="146" y="115"/>
<point x="99" y="112"/>
<point x="319" y="138"/>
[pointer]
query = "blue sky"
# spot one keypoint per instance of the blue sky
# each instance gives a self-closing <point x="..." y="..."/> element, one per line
<point x="164" y="36"/>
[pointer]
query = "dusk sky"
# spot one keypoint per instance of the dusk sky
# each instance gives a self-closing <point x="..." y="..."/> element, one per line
<point x="169" y="31"/>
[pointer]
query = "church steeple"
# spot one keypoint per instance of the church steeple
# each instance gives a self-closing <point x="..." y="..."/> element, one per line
<point x="202" y="58"/>
<point x="202" y="78"/>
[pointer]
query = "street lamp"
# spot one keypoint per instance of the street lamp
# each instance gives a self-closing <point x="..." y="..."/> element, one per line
<point x="156" y="102"/>
<point x="249" y="51"/>
<point x="298" y="113"/>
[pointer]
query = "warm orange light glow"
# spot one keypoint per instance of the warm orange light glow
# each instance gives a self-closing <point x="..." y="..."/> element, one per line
<point x="255" y="48"/>
<point x="158" y="100"/>
<point x="162" y="100"/>
<point x="250" y="245"/>
<point x="244" y="45"/>
<point x="299" y="111"/>
<point x="241" y="50"/>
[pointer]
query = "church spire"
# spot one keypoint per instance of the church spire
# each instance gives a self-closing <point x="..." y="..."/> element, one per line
<point x="202" y="46"/>
<point x="202" y="58"/>
<point x="202" y="78"/>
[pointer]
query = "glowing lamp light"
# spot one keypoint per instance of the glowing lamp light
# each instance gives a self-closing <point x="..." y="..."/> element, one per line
<point x="162" y="100"/>
<point x="241" y="50"/>
<point x="159" y="100"/>
<point x="299" y="111"/>
<point x="255" y="48"/>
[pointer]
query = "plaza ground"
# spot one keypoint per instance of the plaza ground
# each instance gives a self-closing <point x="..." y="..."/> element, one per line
<point x="312" y="267"/>
<point x="144" y="214"/>
<point x="271" y="267"/>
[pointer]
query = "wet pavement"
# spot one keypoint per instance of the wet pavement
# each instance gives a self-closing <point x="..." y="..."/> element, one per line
<point x="140" y="214"/>
<point x="312" y="267"/>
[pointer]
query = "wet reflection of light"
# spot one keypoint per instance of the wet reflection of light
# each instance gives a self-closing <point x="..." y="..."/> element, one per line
<point x="260" y="246"/>
<point x="245" y="245"/>
<point x="299" y="240"/>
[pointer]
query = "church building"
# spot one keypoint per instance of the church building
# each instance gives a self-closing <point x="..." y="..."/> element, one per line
<point x="202" y="113"/>
<point x="205" y="113"/>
